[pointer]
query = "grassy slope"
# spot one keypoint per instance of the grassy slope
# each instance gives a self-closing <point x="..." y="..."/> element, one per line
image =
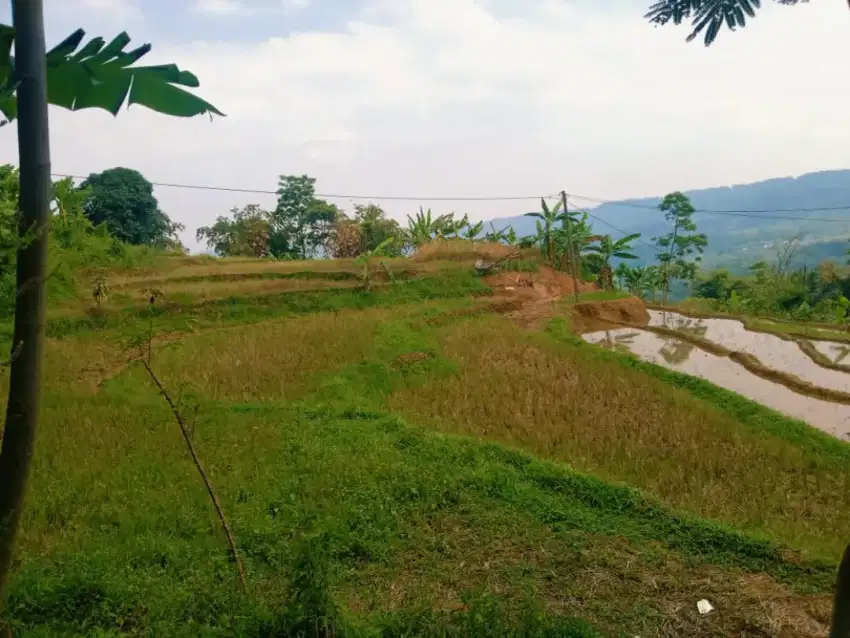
<point x="321" y="433"/>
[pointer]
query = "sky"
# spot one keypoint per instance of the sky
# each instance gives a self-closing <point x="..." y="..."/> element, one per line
<point x="460" y="98"/>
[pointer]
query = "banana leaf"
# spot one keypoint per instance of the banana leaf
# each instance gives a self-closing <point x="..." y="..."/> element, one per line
<point x="100" y="75"/>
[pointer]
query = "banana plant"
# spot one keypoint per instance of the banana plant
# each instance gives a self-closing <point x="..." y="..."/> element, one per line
<point x="546" y="220"/>
<point x="100" y="75"/>
<point x="450" y="227"/>
<point x="580" y="232"/>
<point x="424" y="227"/>
<point x="497" y="236"/>
<point x="472" y="231"/>
<point x="381" y="250"/>
<point x="608" y="249"/>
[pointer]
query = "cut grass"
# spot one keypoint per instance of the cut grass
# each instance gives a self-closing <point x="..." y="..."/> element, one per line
<point x="485" y="377"/>
<point x="353" y="522"/>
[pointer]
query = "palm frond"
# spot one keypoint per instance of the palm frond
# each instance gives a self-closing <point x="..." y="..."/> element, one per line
<point x="707" y="17"/>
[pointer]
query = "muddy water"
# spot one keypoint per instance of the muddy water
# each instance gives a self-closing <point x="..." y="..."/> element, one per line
<point x="721" y="371"/>
<point x="772" y="351"/>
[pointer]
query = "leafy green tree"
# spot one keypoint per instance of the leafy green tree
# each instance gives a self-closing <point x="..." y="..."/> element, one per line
<point x="245" y="234"/>
<point x="680" y="250"/>
<point x="300" y="224"/>
<point x="376" y="227"/>
<point x="123" y="199"/>
<point x="707" y="16"/>
<point x="608" y="249"/>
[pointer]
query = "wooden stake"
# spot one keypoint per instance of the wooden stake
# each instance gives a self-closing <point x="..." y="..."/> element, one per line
<point x="570" y="249"/>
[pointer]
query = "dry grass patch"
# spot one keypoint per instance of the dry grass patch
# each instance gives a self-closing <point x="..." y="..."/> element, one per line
<point x="272" y="360"/>
<point x="579" y="574"/>
<point x="462" y="250"/>
<point x="630" y="427"/>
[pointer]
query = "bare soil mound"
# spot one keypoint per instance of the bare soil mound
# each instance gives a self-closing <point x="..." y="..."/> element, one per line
<point x="527" y="297"/>
<point x="546" y="283"/>
<point x="595" y="315"/>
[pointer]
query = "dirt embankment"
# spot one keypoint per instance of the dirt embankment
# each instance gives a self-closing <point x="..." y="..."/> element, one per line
<point x="528" y="297"/>
<point x="598" y="315"/>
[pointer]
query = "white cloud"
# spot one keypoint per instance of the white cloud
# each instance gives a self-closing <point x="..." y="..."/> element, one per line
<point x="447" y="97"/>
<point x="294" y="5"/>
<point x="220" y="7"/>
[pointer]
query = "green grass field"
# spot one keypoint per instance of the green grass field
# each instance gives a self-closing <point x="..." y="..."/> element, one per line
<point x="407" y="462"/>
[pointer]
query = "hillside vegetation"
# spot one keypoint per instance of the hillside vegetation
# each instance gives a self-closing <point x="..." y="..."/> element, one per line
<point x="404" y="442"/>
<point x="740" y="240"/>
<point x="408" y="460"/>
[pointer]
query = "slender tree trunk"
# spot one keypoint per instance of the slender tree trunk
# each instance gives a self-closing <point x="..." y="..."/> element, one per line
<point x="841" y="605"/>
<point x="22" y="410"/>
<point x="667" y="265"/>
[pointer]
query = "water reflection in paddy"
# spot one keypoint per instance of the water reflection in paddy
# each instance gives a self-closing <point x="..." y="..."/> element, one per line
<point x="684" y="357"/>
<point x="772" y="351"/>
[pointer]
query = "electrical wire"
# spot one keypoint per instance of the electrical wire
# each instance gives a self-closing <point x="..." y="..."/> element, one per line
<point x="735" y="213"/>
<point x="338" y="196"/>
<point x="754" y="213"/>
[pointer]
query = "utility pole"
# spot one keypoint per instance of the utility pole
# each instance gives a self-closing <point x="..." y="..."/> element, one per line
<point x="570" y="248"/>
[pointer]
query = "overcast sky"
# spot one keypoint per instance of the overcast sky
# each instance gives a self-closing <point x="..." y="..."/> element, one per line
<point x="441" y="98"/>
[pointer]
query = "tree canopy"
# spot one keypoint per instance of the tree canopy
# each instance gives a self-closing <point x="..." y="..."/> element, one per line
<point x="707" y="17"/>
<point x="123" y="199"/>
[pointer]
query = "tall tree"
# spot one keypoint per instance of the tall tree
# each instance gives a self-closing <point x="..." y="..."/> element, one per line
<point x="98" y="76"/>
<point x="245" y="234"/>
<point x="707" y="16"/>
<point x="301" y="224"/>
<point x="123" y="199"/>
<point x="680" y="250"/>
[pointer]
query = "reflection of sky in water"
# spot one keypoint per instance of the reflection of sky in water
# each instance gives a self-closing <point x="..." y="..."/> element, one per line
<point x="683" y="357"/>
<point x="772" y="351"/>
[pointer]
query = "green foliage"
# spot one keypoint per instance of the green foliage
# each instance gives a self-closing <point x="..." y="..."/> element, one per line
<point x="300" y="224"/>
<point x="472" y="231"/>
<point x="546" y="220"/>
<point x="376" y="228"/>
<point x="608" y="249"/>
<point x="101" y="75"/>
<point x="803" y="294"/>
<point x="679" y="252"/>
<point x="123" y="200"/>
<point x="246" y="234"/>
<point x="706" y="16"/>
<point x="424" y="227"/>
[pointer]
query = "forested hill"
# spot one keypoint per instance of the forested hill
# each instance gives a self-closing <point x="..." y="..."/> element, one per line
<point x="737" y="239"/>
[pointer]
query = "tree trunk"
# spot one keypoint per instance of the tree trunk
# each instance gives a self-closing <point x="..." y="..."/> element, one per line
<point x="841" y="605"/>
<point x="22" y="409"/>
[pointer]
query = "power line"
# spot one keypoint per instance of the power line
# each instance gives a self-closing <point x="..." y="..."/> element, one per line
<point x="619" y="230"/>
<point x="338" y="196"/>
<point x="755" y="213"/>
<point x="735" y="213"/>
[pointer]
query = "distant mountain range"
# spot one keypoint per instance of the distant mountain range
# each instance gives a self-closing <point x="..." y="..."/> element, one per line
<point x="749" y="222"/>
